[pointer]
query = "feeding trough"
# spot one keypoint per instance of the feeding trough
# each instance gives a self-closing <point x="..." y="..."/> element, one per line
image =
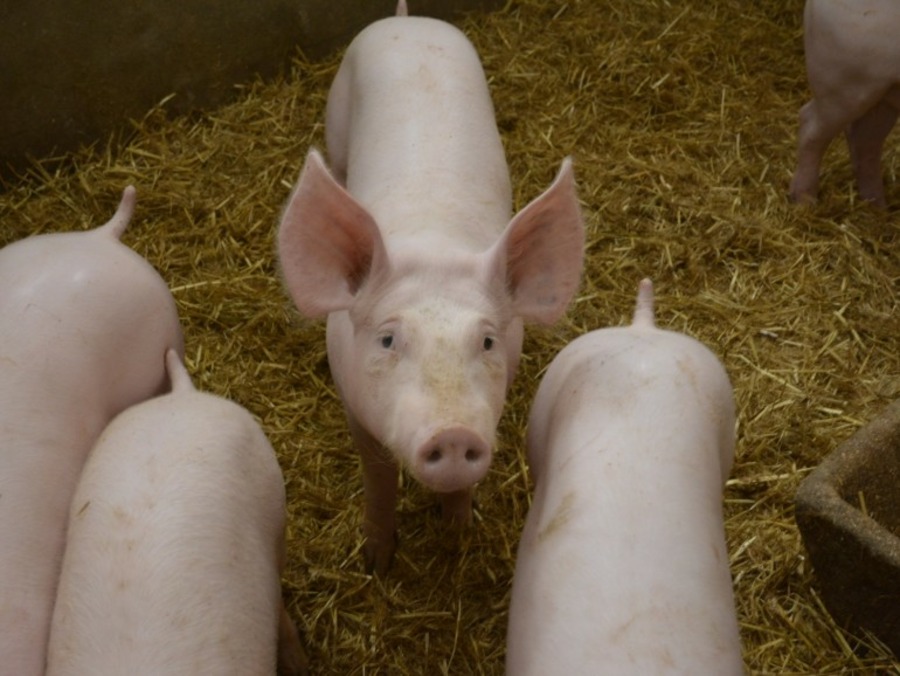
<point x="848" y="511"/>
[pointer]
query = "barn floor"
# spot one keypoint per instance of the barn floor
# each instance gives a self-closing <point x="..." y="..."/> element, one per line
<point x="681" y="118"/>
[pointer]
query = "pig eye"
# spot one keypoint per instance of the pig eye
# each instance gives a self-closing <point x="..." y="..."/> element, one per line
<point x="488" y="343"/>
<point x="387" y="341"/>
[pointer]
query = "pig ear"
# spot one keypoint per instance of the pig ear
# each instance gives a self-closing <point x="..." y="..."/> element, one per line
<point x="327" y="242"/>
<point x="541" y="251"/>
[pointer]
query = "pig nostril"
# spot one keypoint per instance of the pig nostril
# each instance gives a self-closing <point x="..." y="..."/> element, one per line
<point x="472" y="455"/>
<point x="434" y="456"/>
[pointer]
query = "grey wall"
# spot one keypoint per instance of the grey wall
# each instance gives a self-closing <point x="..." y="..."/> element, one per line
<point x="73" y="71"/>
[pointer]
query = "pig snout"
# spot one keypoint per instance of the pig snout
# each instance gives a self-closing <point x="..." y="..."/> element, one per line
<point x="452" y="459"/>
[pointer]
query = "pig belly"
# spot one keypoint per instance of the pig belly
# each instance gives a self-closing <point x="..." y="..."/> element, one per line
<point x="172" y="561"/>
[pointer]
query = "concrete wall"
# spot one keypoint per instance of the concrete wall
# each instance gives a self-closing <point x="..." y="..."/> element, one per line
<point x="73" y="71"/>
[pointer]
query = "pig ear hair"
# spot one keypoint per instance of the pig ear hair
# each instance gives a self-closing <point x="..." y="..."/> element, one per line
<point x="542" y="251"/>
<point x="327" y="242"/>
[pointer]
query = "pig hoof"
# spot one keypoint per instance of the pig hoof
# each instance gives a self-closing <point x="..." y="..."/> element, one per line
<point x="802" y="198"/>
<point x="379" y="555"/>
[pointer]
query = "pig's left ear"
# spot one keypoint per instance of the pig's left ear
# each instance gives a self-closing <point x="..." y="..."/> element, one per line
<point x="542" y="251"/>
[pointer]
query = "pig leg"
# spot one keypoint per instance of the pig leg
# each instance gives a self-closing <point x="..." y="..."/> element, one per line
<point x="824" y="117"/>
<point x="292" y="660"/>
<point x="456" y="507"/>
<point x="380" y="475"/>
<point x="866" y="137"/>
<point x="817" y="129"/>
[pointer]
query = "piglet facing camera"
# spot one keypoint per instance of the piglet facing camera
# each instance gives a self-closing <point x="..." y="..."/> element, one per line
<point x="408" y="245"/>
<point x="175" y="546"/>
<point x="622" y="566"/>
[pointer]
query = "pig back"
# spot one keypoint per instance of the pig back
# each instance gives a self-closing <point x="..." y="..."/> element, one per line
<point x="409" y="111"/>
<point x="175" y="545"/>
<point x="634" y="382"/>
<point x="85" y="324"/>
<point x="623" y="566"/>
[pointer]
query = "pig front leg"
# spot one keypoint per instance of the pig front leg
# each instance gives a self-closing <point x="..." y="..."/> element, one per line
<point x="456" y="507"/>
<point x="866" y="137"/>
<point x="380" y="476"/>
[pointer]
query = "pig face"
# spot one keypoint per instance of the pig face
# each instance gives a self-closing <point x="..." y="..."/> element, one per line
<point x="431" y="371"/>
<point x="423" y="342"/>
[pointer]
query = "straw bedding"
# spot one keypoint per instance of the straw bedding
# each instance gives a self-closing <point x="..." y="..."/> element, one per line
<point x="681" y="118"/>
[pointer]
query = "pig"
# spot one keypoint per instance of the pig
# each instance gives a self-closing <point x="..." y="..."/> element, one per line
<point x="85" y="323"/>
<point x="175" y="546"/>
<point x="622" y="566"/>
<point x="409" y="249"/>
<point x="853" y="66"/>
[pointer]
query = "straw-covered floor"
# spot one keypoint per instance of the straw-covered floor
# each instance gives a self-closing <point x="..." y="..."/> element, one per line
<point x="681" y="118"/>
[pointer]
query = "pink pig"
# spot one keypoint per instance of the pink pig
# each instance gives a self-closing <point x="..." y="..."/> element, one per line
<point x="424" y="278"/>
<point x="175" y="546"/>
<point x="84" y="325"/>
<point x="622" y="566"/>
<point x="853" y="66"/>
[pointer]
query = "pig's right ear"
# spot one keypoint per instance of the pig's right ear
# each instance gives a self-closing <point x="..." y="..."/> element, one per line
<point x="327" y="242"/>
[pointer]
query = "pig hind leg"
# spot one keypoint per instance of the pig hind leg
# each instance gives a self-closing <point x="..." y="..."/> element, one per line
<point x="818" y="127"/>
<point x="865" y="138"/>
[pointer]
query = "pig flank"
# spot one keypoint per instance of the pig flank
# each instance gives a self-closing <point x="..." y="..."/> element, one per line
<point x="84" y="325"/>
<point x="409" y="250"/>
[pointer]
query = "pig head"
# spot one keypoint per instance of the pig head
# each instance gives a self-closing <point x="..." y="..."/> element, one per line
<point x="853" y="67"/>
<point x="84" y="325"/>
<point x="413" y="257"/>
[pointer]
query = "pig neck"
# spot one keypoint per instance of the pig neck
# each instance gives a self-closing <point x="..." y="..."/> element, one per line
<point x="437" y="225"/>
